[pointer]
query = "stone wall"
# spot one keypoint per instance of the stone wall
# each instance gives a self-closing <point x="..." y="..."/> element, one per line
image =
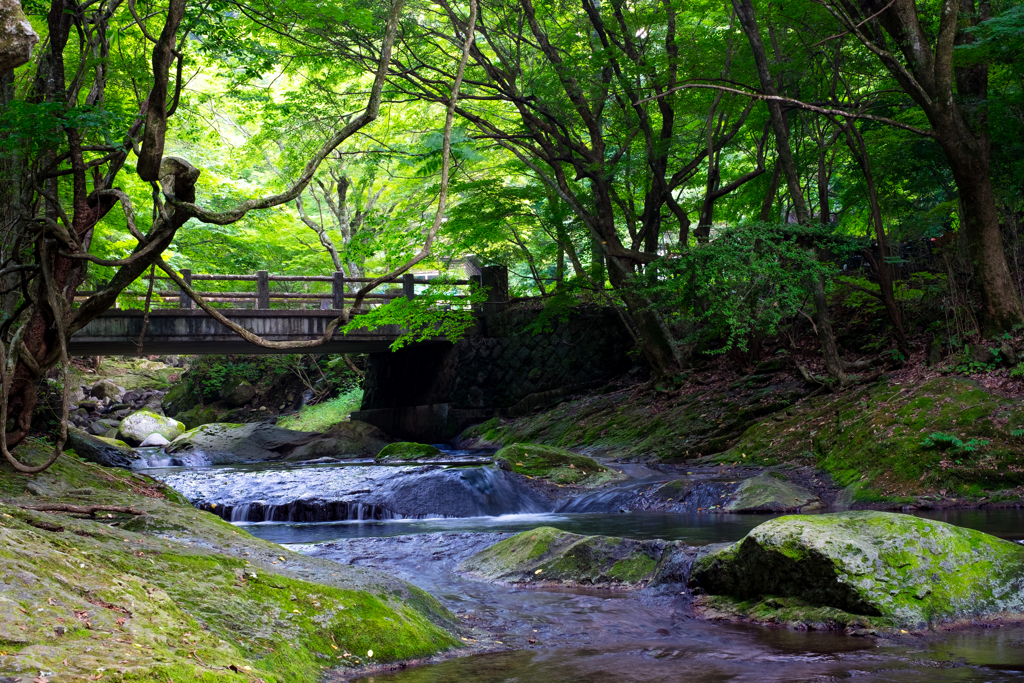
<point x="508" y="368"/>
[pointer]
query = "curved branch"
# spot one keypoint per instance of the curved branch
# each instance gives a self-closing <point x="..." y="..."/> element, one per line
<point x="796" y="103"/>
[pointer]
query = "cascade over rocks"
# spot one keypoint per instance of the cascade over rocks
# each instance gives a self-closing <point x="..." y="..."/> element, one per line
<point x="896" y="570"/>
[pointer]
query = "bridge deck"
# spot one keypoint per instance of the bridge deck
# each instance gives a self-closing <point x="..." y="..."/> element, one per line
<point x="191" y="331"/>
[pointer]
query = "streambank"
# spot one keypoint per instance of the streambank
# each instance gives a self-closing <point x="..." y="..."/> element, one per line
<point x="912" y="438"/>
<point x="178" y="593"/>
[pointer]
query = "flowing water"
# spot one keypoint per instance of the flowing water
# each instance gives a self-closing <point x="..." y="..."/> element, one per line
<point x="420" y="522"/>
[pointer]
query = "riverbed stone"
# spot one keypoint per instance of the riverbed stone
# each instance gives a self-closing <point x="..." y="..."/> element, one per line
<point x="237" y="393"/>
<point x="408" y="450"/>
<point x="768" y="493"/>
<point x="101" y="450"/>
<point x="106" y="389"/>
<point x="154" y="441"/>
<point x="548" y="555"/>
<point x="178" y="399"/>
<point x="136" y="427"/>
<point x="882" y="568"/>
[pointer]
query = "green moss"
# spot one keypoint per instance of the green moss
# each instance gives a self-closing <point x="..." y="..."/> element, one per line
<point x="549" y="555"/>
<point x="913" y="572"/>
<point x="547" y="462"/>
<point x="320" y="417"/>
<point x="177" y="586"/>
<point x="407" y="450"/>
<point x="633" y="569"/>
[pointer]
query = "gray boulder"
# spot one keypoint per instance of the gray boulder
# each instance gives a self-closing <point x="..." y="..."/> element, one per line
<point x="106" y="389"/>
<point x="876" y="569"/>
<point x="100" y="450"/>
<point x="178" y="399"/>
<point x="136" y="427"/>
<point x="154" y="440"/>
<point x="766" y="493"/>
<point x="222" y="443"/>
<point x="237" y="393"/>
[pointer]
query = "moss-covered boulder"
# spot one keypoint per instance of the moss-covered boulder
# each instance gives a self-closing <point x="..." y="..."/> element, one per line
<point x="136" y="427"/>
<point x="101" y="450"/>
<point x="226" y="443"/>
<point x="408" y="450"/>
<point x="237" y="393"/>
<point x="769" y="493"/>
<point x="197" y="416"/>
<point x="178" y="399"/>
<point x="548" y="462"/>
<point x="177" y="593"/>
<point x="546" y="555"/>
<point x="894" y="570"/>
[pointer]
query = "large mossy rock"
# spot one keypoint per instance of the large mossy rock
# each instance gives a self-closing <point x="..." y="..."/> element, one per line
<point x="136" y="427"/>
<point x="179" y="575"/>
<point x="178" y="399"/>
<point x="766" y="493"/>
<point x="549" y="555"/>
<point x="221" y="444"/>
<point x="237" y="393"/>
<point x="408" y="450"/>
<point x="101" y="450"/>
<point x="548" y="462"/>
<point x="897" y="570"/>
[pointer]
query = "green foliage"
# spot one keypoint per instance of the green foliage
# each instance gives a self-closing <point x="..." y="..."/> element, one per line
<point x="321" y="416"/>
<point x="948" y="442"/>
<point x="441" y="310"/>
<point x="742" y="286"/>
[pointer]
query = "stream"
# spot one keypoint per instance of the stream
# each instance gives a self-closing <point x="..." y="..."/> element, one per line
<point x="420" y="522"/>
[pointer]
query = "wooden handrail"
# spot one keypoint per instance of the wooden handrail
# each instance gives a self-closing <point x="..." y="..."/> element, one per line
<point x="262" y="296"/>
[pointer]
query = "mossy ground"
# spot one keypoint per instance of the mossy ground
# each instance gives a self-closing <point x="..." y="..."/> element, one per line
<point x="179" y="594"/>
<point x="407" y="450"/>
<point x="554" y="464"/>
<point x="876" y="439"/>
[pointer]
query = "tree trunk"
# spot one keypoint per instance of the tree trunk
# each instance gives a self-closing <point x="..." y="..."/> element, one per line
<point x="748" y="20"/>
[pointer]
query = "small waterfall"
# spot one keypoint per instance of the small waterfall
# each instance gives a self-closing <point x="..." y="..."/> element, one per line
<point x="680" y="495"/>
<point x="305" y="511"/>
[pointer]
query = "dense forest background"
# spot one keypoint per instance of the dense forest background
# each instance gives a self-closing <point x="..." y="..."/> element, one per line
<point x="738" y="179"/>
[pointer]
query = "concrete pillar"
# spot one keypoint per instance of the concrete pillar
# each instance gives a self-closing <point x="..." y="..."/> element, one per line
<point x="184" y="300"/>
<point x="409" y="286"/>
<point x="338" y="289"/>
<point x="262" y="289"/>
<point x="494" y="279"/>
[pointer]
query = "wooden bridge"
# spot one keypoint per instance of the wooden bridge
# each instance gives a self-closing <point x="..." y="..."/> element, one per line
<point x="276" y="307"/>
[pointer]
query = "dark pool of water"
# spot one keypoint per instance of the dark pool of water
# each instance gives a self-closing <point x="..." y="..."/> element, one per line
<point x="694" y="528"/>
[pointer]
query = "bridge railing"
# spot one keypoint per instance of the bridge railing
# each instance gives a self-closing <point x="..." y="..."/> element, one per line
<point x="263" y="296"/>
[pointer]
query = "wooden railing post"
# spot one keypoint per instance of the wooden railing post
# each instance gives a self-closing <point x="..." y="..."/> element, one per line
<point x="338" y="289"/>
<point x="184" y="300"/>
<point x="409" y="286"/>
<point x="262" y="289"/>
